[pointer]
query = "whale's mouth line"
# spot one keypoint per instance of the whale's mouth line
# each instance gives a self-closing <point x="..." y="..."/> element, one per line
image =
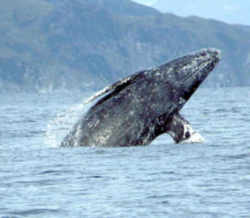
<point x="188" y="76"/>
<point x="196" y="72"/>
<point x="210" y="59"/>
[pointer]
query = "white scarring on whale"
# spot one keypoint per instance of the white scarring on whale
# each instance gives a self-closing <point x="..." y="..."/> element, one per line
<point x="139" y="108"/>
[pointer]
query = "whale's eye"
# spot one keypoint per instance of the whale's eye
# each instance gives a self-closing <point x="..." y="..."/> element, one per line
<point x="187" y="135"/>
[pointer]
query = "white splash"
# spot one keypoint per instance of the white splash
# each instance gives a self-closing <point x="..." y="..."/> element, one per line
<point x="195" y="137"/>
<point x="63" y="122"/>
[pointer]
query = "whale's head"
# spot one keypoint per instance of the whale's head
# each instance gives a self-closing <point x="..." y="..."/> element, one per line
<point x="185" y="74"/>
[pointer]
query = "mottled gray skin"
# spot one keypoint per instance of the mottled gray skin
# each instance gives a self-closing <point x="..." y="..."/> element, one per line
<point x="145" y="105"/>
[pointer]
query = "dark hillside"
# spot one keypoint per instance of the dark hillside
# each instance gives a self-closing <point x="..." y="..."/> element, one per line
<point x="48" y="45"/>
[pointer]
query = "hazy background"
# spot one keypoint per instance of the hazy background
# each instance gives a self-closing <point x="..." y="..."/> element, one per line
<point x="231" y="11"/>
<point x="48" y="46"/>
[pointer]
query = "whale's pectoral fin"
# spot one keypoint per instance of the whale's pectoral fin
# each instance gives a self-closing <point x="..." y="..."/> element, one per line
<point x="115" y="86"/>
<point x="182" y="132"/>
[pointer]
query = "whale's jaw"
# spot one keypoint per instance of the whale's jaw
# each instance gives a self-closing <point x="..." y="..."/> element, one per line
<point x="187" y="73"/>
<point x="203" y="63"/>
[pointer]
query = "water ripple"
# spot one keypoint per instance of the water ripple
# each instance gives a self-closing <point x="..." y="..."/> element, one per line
<point x="161" y="180"/>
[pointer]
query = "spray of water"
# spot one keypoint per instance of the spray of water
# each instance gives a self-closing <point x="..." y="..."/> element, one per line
<point x="63" y="122"/>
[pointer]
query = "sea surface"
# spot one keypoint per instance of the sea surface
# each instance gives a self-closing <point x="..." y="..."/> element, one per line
<point x="164" y="179"/>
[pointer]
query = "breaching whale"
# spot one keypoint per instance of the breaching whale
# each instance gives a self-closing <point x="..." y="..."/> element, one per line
<point x="137" y="109"/>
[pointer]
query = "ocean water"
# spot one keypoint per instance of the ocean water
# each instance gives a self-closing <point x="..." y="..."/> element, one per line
<point x="40" y="179"/>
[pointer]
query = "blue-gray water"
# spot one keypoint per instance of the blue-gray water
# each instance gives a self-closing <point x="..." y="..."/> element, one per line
<point x="39" y="179"/>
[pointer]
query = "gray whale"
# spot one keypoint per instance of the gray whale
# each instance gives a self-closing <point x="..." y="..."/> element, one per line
<point x="141" y="107"/>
